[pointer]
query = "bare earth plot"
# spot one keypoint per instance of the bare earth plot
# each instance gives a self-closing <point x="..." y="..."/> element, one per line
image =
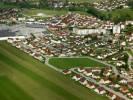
<point x="24" y="78"/>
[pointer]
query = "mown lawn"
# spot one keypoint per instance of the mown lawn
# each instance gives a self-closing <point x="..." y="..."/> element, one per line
<point x="65" y="63"/>
<point x="78" y="1"/>
<point x="25" y="78"/>
<point x="34" y="12"/>
<point x="48" y="12"/>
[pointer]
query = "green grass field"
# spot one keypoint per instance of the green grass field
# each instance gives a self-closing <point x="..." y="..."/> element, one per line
<point x="122" y="12"/>
<point x="48" y="12"/>
<point x="33" y="12"/>
<point x="24" y="78"/>
<point x="2" y="5"/>
<point x="80" y="1"/>
<point x="65" y="63"/>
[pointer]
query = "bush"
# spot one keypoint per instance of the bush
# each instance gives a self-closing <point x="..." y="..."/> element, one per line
<point x="130" y="3"/>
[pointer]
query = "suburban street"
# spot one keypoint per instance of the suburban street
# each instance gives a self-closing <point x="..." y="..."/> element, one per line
<point x="105" y="87"/>
<point x="88" y="78"/>
<point x="113" y="67"/>
<point x="66" y="49"/>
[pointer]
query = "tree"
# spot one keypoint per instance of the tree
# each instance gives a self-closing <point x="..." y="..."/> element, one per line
<point x="121" y="17"/>
<point x="43" y="3"/>
<point x="113" y="78"/>
<point x="66" y="2"/>
<point x="32" y="36"/>
<point x="129" y="29"/>
<point x="93" y="11"/>
<point x="101" y="15"/>
<point x="130" y="3"/>
<point x="43" y="59"/>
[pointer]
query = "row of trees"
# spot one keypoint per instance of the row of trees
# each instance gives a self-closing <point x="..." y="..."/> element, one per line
<point x="44" y="3"/>
<point x="129" y="29"/>
<point x="115" y="16"/>
<point x="120" y="17"/>
<point x="130" y="3"/>
<point x="12" y="1"/>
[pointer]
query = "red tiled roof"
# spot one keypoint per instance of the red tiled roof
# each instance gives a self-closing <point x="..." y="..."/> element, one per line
<point x="82" y="79"/>
<point x="65" y="71"/>
<point x="78" y="76"/>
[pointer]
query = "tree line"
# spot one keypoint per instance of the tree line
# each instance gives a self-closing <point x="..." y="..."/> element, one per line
<point x="103" y="15"/>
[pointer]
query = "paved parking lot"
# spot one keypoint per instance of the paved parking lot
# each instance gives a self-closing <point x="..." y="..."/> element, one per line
<point x="20" y="29"/>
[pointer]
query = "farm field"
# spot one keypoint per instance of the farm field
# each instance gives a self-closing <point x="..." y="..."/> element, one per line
<point x="24" y="78"/>
<point x="66" y="63"/>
